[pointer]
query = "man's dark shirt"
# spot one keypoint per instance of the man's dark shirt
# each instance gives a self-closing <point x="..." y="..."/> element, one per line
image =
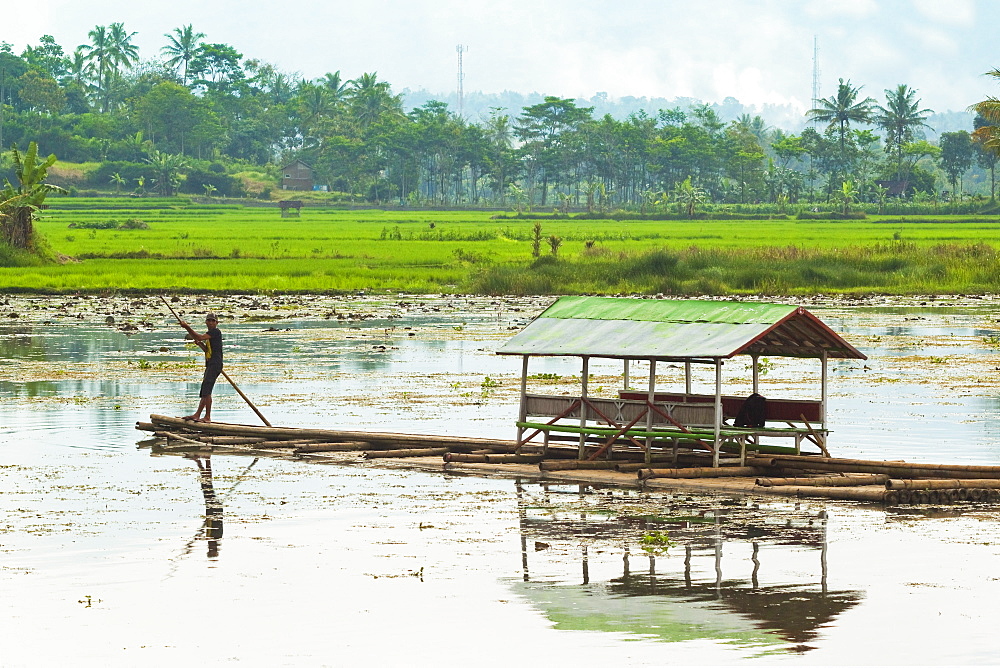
<point x="213" y="348"/>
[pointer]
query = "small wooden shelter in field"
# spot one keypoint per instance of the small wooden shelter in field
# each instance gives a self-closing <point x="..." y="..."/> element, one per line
<point x="679" y="331"/>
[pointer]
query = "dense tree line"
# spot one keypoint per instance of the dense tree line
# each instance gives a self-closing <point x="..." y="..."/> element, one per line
<point x="204" y="109"/>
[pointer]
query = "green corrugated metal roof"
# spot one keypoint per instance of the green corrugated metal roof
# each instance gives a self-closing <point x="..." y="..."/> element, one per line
<point x="666" y="310"/>
<point x="675" y="329"/>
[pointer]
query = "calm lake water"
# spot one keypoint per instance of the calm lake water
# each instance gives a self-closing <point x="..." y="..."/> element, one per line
<point x="106" y="556"/>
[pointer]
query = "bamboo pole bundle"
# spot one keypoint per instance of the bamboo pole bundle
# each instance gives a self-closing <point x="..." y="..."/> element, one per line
<point x="285" y="444"/>
<point x="339" y="446"/>
<point x="576" y="464"/>
<point x="405" y="452"/>
<point x="892" y="469"/>
<point x="867" y="493"/>
<point x="987" y="483"/>
<point x="491" y="458"/>
<point x="232" y="440"/>
<point x="827" y="481"/>
<point x="699" y="472"/>
<point x="917" y="470"/>
<point x="272" y="433"/>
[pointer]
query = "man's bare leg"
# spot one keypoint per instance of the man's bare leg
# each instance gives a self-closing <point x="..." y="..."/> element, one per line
<point x="204" y="406"/>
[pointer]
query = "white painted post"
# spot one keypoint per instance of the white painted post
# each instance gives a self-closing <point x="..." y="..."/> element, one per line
<point x="583" y="404"/>
<point x="522" y="413"/>
<point x="650" y="397"/>
<point x="718" y="410"/>
<point x="823" y="395"/>
<point x="756" y="373"/>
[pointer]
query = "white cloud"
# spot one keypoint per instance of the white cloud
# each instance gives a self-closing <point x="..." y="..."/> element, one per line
<point x="953" y="12"/>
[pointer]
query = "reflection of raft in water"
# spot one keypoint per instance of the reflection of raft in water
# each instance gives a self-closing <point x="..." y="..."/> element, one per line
<point x="774" y="475"/>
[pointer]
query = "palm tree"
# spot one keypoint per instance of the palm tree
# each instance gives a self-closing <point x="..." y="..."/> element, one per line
<point x="900" y="118"/>
<point x="98" y="54"/>
<point x="110" y="48"/>
<point x="841" y="110"/>
<point x="76" y="70"/>
<point x="183" y="47"/>
<point x="370" y="99"/>
<point x="336" y="86"/>
<point x="19" y="203"/>
<point x="987" y="134"/>
<point x="123" y="51"/>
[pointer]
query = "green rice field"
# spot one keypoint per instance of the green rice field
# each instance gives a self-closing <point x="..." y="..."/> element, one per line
<point x="155" y="244"/>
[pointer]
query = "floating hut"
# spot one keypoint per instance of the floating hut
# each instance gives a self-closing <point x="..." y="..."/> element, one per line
<point x="659" y="438"/>
<point x="680" y="331"/>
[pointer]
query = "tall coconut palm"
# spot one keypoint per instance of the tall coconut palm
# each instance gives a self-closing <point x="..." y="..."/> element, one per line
<point x="900" y="118"/>
<point x="123" y="51"/>
<point x="372" y="99"/>
<point x="182" y="47"/>
<point x="335" y="85"/>
<point x="98" y="55"/>
<point x="988" y="134"/>
<point x="842" y="109"/>
<point x="110" y="48"/>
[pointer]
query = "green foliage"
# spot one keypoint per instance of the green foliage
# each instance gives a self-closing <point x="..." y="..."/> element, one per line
<point x="19" y="201"/>
<point x="656" y="542"/>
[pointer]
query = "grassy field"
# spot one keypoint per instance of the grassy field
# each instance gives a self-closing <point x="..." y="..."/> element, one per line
<point x="176" y="244"/>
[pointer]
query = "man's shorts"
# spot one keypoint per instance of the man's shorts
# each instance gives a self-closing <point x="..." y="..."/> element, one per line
<point x="208" y="382"/>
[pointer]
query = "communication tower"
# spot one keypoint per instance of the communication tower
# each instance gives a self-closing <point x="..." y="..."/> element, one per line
<point x="815" y="95"/>
<point x="461" y="78"/>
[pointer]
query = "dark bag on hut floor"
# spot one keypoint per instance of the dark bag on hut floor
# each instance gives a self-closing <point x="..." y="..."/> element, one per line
<point x="753" y="412"/>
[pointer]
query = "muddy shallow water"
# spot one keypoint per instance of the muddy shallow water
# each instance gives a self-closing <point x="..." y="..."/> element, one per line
<point x="106" y="556"/>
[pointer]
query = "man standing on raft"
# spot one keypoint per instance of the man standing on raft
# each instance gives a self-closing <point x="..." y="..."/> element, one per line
<point x="211" y="343"/>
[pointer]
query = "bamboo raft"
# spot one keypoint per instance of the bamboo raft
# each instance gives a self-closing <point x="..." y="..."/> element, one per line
<point x="800" y="476"/>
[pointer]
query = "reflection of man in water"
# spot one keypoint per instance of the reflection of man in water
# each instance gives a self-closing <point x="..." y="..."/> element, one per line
<point x="213" y="507"/>
<point x="211" y="342"/>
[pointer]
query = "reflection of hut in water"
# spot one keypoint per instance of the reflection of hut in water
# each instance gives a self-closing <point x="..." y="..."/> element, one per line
<point x="676" y="606"/>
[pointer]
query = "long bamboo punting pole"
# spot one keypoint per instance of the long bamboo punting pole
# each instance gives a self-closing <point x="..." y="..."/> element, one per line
<point x="224" y="374"/>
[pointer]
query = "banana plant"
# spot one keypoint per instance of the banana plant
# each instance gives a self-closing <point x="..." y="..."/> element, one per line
<point x="20" y="203"/>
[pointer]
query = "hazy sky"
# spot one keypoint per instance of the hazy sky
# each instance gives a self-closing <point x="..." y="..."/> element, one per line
<point x="758" y="51"/>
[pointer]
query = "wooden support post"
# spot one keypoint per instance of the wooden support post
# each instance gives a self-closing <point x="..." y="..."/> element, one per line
<point x="718" y="410"/>
<point x="650" y="397"/>
<point x="584" y="374"/>
<point x="523" y="410"/>
<point x="625" y="376"/>
<point x="687" y="377"/>
<point x="756" y="373"/>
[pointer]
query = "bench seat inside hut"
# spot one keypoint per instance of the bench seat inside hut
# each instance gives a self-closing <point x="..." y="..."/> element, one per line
<point x="677" y="331"/>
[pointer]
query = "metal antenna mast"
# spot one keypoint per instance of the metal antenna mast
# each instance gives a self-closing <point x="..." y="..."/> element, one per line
<point x="815" y="72"/>
<point x="461" y="78"/>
